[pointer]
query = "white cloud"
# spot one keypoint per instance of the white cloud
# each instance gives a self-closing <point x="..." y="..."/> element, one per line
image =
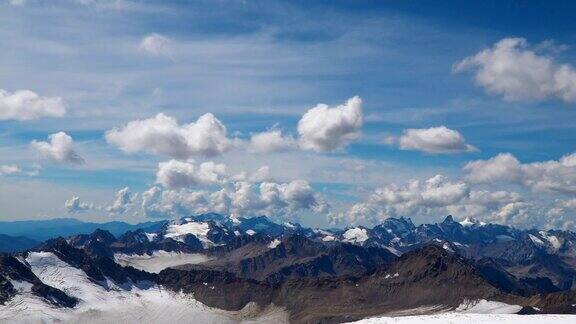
<point x="178" y="174"/>
<point x="516" y="213"/>
<point x="434" y="197"/>
<point x="9" y="169"/>
<point x="59" y="149"/>
<point x="563" y="214"/>
<point x="74" y="205"/>
<point x="238" y="199"/>
<point x="175" y="174"/>
<point x="156" y="45"/>
<point x="123" y="200"/>
<point x="549" y="176"/>
<point x="260" y="175"/>
<point x="28" y="105"/>
<point x="326" y="129"/>
<point x="162" y="135"/>
<point x="271" y="141"/>
<point x="415" y="197"/>
<point x="512" y="69"/>
<point x="435" y="140"/>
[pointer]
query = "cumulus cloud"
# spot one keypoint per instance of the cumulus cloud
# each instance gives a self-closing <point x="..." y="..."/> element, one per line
<point x="9" y="169"/>
<point x="434" y="140"/>
<point x="550" y="176"/>
<point x="59" y="149"/>
<point x="157" y="45"/>
<point x="74" y="205"/>
<point x="271" y="141"/>
<point x="175" y="174"/>
<point x="433" y="197"/>
<point x="162" y="135"/>
<point x="517" y="213"/>
<point x="516" y="71"/>
<point x="326" y="129"/>
<point x="123" y="199"/>
<point x="238" y="199"/>
<point x="178" y="174"/>
<point x="28" y="105"/>
<point x="260" y="175"/>
<point x="563" y="214"/>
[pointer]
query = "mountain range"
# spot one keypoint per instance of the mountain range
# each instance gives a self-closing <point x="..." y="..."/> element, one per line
<point x="254" y="268"/>
<point x="41" y="230"/>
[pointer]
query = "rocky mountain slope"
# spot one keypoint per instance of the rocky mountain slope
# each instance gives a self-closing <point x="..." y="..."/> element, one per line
<point x="310" y="275"/>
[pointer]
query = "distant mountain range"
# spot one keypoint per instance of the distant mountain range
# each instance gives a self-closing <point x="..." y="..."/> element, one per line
<point x="310" y="275"/>
<point x="16" y="243"/>
<point x="41" y="230"/>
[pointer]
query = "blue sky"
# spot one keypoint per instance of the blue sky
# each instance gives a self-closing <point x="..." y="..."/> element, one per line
<point x="261" y="65"/>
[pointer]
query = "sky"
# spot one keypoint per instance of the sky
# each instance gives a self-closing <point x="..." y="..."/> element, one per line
<point x="329" y="113"/>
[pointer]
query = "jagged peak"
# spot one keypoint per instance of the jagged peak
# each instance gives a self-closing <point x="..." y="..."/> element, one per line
<point x="103" y="235"/>
<point x="402" y="222"/>
<point x="448" y="220"/>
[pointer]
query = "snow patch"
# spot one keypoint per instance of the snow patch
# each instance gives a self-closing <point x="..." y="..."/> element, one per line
<point x="388" y="276"/>
<point x="289" y="225"/>
<point x="250" y="232"/>
<point x="393" y="250"/>
<point x="536" y="239"/>
<point x="274" y="244"/>
<point x="355" y="235"/>
<point x="487" y="307"/>
<point x="328" y="238"/>
<point x="456" y="318"/>
<point x="178" y="232"/>
<point x="553" y="240"/>
<point x="447" y="247"/>
<point x="151" y="236"/>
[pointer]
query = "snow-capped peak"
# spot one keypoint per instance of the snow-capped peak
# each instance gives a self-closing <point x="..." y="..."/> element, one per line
<point x="178" y="232"/>
<point x="355" y="235"/>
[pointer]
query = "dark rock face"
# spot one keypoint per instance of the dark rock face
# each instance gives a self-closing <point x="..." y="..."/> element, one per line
<point x="6" y="290"/>
<point x="497" y="276"/>
<point x="219" y="289"/>
<point x="429" y="276"/>
<point x="103" y="243"/>
<point x="527" y="254"/>
<point x="261" y="225"/>
<point x="293" y="257"/>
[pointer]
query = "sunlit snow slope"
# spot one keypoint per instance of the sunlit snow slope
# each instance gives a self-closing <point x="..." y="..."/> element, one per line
<point x="457" y="318"/>
<point x="105" y="302"/>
